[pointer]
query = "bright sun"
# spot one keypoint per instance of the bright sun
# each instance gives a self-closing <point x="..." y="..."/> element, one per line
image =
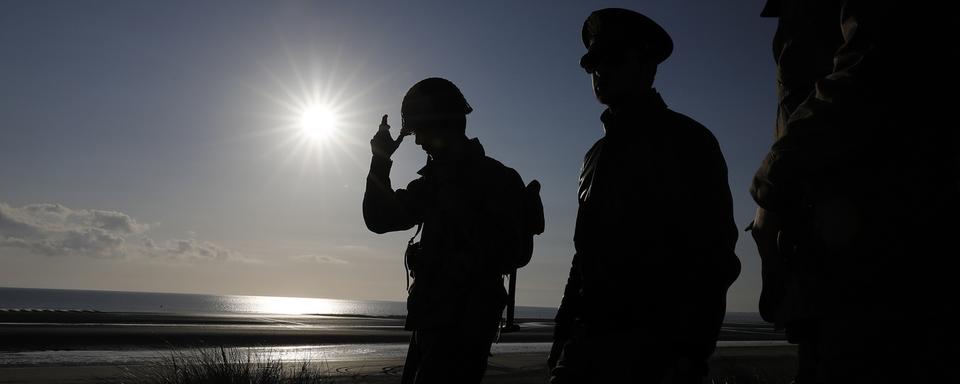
<point x="315" y="115"/>
<point x="317" y="122"/>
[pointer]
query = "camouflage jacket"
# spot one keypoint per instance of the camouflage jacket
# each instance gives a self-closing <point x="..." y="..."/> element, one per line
<point x="857" y="108"/>
<point x="859" y="130"/>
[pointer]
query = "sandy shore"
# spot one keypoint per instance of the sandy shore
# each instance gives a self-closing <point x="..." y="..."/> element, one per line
<point x="735" y="364"/>
<point x="89" y="347"/>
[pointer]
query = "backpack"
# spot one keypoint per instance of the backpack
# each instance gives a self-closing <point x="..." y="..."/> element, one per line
<point x="533" y="222"/>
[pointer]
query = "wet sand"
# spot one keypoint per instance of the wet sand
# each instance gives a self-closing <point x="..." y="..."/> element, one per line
<point x="742" y="365"/>
<point x="747" y="353"/>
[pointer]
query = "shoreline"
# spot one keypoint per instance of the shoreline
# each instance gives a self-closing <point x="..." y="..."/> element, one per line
<point x="92" y="347"/>
<point x="73" y="330"/>
<point x="739" y="364"/>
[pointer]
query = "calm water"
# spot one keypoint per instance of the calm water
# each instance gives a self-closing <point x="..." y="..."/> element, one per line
<point x="179" y="303"/>
<point x="120" y="301"/>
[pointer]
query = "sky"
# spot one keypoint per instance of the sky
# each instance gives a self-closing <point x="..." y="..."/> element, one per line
<point x="155" y="146"/>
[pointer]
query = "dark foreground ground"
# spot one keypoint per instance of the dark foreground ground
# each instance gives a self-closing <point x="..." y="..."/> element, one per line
<point x="91" y="347"/>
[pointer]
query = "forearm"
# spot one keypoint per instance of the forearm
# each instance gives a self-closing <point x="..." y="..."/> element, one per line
<point x="713" y="232"/>
<point x="382" y="209"/>
<point x="570" y="303"/>
<point x="569" y="309"/>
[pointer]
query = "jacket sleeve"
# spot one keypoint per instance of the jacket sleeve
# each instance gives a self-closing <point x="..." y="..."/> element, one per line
<point x="816" y="137"/>
<point x="570" y="303"/>
<point x="386" y="210"/>
<point x="713" y="232"/>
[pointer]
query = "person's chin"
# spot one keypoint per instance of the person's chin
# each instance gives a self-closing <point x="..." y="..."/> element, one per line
<point x="603" y="95"/>
<point x="603" y="98"/>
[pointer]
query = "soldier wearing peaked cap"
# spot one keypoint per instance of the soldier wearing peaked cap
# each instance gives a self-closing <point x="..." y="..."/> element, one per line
<point x="655" y="233"/>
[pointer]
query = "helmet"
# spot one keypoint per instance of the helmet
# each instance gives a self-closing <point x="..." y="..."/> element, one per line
<point x="434" y="99"/>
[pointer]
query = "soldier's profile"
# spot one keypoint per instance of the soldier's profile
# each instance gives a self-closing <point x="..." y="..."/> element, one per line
<point x="655" y="233"/>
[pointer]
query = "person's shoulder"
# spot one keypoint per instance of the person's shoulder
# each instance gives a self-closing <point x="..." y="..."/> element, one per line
<point x="597" y="145"/>
<point x="495" y="169"/>
<point x="689" y="130"/>
<point x="592" y="153"/>
<point x="595" y="148"/>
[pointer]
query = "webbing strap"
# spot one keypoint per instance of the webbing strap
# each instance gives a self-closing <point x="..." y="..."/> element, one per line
<point x="406" y="265"/>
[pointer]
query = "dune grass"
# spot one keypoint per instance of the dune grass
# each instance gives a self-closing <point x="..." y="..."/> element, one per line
<point x="227" y="366"/>
<point x="222" y="365"/>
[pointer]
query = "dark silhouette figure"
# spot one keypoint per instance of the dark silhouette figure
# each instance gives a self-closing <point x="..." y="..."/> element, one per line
<point x="469" y="207"/>
<point x="655" y="233"/>
<point x="858" y="197"/>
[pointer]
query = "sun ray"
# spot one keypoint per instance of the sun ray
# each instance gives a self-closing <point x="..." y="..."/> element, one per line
<point x="317" y="124"/>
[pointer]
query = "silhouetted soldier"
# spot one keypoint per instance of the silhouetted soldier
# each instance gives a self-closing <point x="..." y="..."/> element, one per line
<point x="469" y="206"/>
<point x="655" y="233"/>
<point x="859" y="194"/>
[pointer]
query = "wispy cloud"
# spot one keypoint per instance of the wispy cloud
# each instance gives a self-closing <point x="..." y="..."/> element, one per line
<point x="188" y="249"/>
<point x="58" y="231"/>
<point x="322" y="259"/>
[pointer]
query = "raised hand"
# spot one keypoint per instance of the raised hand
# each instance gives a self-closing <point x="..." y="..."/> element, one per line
<point x="382" y="144"/>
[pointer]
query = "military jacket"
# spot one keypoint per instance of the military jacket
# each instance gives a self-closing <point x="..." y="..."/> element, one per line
<point x="470" y="208"/>
<point x="655" y="233"/>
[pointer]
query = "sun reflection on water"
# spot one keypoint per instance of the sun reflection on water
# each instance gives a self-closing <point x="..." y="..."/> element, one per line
<point x="301" y="306"/>
<point x="293" y="305"/>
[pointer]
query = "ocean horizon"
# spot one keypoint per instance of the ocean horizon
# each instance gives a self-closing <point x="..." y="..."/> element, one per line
<point x="49" y="299"/>
<point x="207" y="304"/>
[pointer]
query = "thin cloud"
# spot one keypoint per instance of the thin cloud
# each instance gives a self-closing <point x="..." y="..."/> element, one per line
<point x="188" y="249"/>
<point x="321" y="259"/>
<point x="58" y="231"/>
<point x="55" y="230"/>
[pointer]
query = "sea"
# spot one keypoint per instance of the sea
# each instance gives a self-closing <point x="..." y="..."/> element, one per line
<point x="188" y="303"/>
<point x="185" y="303"/>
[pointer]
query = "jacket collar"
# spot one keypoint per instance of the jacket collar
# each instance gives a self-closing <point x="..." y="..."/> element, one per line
<point x="471" y="151"/>
<point x="629" y="117"/>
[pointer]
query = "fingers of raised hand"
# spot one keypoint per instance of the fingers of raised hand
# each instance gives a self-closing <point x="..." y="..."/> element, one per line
<point x="383" y="124"/>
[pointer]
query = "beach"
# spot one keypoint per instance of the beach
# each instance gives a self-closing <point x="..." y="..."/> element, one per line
<point x="58" y="346"/>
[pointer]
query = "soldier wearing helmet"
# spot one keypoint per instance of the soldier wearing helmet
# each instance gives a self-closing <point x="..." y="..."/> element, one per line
<point x="655" y="233"/>
<point x="468" y="206"/>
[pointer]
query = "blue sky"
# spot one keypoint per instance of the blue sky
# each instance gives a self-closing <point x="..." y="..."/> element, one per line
<point x="147" y="145"/>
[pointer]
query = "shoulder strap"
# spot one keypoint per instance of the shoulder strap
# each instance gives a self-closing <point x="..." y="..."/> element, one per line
<point x="406" y="265"/>
<point x="419" y="227"/>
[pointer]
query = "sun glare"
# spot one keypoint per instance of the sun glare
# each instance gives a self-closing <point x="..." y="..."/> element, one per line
<point x="317" y="122"/>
